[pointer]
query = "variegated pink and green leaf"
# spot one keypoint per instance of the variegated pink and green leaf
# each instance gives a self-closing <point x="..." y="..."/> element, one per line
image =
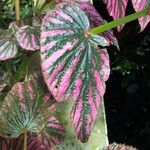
<point x="116" y="9"/>
<point x="27" y="107"/>
<point x="17" y="143"/>
<point x="140" y="5"/>
<point x="73" y="65"/>
<point x="28" y="37"/>
<point x="51" y="135"/>
<point x="94" y="18"/>
<point x="8" y="45"/>
<point x="97" y="20"/>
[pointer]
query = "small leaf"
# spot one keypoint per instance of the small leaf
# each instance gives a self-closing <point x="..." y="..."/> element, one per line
<point x="8" y="45"/>
<point x="116" y="9"/>
<point x="28" y="37"/>
<point x="140" y="5"/>
<point x="71" y="64"/>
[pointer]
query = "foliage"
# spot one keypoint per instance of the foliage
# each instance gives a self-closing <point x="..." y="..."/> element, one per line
<point x="119" y="146"/>
<point x="74" y="63"/>
<point x="27" y="108"/>
<point x="117" y="8"/>
<point x="71" y="63"/>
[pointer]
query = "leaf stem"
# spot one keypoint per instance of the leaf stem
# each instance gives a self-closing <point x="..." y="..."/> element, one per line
<point x="119" y="22"/>
<point x="25" y="140"/>
<point x="17" y="9"/>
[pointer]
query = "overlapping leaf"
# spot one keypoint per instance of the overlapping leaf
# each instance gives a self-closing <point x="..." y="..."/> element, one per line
<point x="116" y="9"/>
<point x="8" y="45"/>
<point x="94" y="18"/>
<point x="26" y="107"/>
<point x="140" y="5"/>
<point x="17" y="143"/>
<point x="44" y="140"/>
<point x="28" y="37"/>
<point x="73" y="64"/>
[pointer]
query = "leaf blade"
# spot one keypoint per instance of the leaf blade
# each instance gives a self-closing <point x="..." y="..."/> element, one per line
<point x="69" y="60"/>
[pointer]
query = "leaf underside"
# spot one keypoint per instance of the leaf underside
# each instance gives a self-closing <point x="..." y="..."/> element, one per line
<point x="73" y="65"/>
<point x="28" y="37"/>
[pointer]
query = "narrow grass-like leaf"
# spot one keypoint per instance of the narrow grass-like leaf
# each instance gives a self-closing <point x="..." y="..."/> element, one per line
<point x="73" y="65"/>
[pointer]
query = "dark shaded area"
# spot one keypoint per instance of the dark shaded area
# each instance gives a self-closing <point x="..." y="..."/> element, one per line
<point x="127" y="98"/>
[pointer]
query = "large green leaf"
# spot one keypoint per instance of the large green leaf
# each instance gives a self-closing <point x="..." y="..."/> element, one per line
<point x="73" y="64"/>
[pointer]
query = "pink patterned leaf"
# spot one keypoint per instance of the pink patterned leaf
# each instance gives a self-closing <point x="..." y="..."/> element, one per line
<point x="73" y="65"/>
<point x="105" y="66"/>
<point x="17" y="143"/>
<point x="28" y="107"/>
<point x="140" y="5"/>
<point x="52" y="133"/>
<point x="116" y="9"/>
<point x="28" y="37"/>
<point x="95" y="18"/>
<point x="50" y="136"/>
<point x="8" y="45"/>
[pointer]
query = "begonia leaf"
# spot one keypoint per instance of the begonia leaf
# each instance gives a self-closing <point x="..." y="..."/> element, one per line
<point x="27" y="107"/>
<point x="116" y="9"/>
<point x="140" y="5"/>
<point x="72" y="64"/>
<point x="8" y="45"/>
<point x="94" y="18"/>
<point x="28" y="37"/>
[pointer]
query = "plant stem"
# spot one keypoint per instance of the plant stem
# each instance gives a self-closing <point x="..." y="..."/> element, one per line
<point x="25" y="140"/>
<point x="120" y="21"/>
<point x="17" y="9"/>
